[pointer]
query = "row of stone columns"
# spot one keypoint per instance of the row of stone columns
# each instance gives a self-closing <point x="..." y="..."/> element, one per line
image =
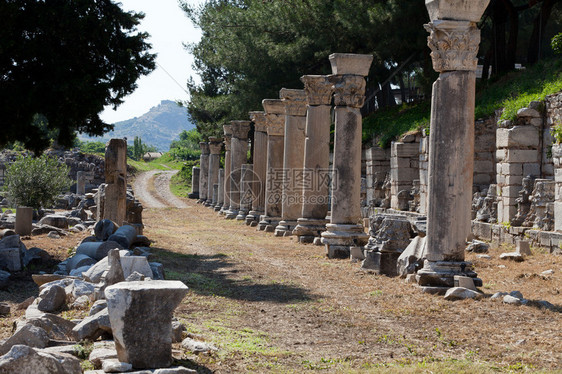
<point x="291" y="180"/>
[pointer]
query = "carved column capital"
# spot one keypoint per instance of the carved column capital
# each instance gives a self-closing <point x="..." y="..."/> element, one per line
<point x="318" y="89"/>
<point x="454" y="45"/>
<point x="227" y="130"/>
<point x="295" y="102"/>
<point x="274" y="116"/>
<point x="215" y="145"/>
<point x="227" y="142"/>
<point x="204" y="148"/>
<point x="259" y="121"/>
<point x="349" y="90"/>
<point x="240" y="129"/>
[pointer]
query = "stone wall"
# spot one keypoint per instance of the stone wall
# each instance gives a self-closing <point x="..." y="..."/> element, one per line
<point x="404" y="168"/>
<point x="484" y="153"/>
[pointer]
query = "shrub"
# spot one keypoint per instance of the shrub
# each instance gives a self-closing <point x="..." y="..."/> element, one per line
<point x="35" y="182"/>
<point x="557" y="44"/>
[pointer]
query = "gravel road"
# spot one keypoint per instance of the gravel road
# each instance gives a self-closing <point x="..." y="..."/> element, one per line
<point x="155" y="192"/>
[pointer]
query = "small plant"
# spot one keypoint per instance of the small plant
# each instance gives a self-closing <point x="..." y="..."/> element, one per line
<point x="36" y="182"/>
<point x="557" y="133"/>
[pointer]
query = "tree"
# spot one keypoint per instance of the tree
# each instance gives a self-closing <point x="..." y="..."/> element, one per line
<point x="61" y="62"/>
<point x="557" y="43"/>
<point x="36" y="182"/>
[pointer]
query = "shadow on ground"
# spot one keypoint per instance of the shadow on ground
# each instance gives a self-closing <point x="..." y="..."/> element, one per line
<point x="218" y="275"/>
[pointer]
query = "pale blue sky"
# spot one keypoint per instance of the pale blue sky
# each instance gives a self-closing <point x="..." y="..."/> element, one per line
<point x="169" y="28"/>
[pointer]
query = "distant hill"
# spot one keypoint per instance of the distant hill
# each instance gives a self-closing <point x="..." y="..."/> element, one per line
<point x="158" y="127"/>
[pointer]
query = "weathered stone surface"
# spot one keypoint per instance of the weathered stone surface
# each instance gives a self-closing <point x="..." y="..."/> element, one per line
<point x="4" y="278"/>
<point x="93" y="326"/>
<point x="22" y="359"/>
<point x="178" y="330"/>
<point x="134" y="306"/>
<point x="464" y="282"/>
<point x="125" y="236"/>
<point x="114" y="366"/>
<point x="157" y="270"/>
<point x="135" y="263"/>
<point x="514" y="256"/>
<point x="412" y="258"/>
<point x="98" y="250"/>
<point x="35" y="255"/>
<point x="56" y="327"/>
<point x="135" y="276"/>
<point x="195" y="346"/>
<point x="77" y="261"/>
<point x="55" y="220"/>
<point x="95" y="273"/>
<point x="81" y="302"/>
<point x="97" y="307"/>
<point x="508" y="299"/>
<point x="79" y="288"/>
<point x="51" y="299"/>
<point x="104" y="350"/>
<point x="104" y="229"/>
<point x="115" y="272"/>
<point x="24" y="220"/>
<point x="4" y="309"/>
<point x="461" y="293"/>
<point x="478" y="246"/>
<point x="53" y="235"/>
<point x="523" y="247"/>
<point x="29" y="335"/>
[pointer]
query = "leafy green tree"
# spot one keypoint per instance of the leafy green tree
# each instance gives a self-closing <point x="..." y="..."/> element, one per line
<point x="61" y="62"/>
<point x="36" y="182"/>
<point x="187" y="147"/>
<point x="90" y="147"/>
<point x="557" y="43"/>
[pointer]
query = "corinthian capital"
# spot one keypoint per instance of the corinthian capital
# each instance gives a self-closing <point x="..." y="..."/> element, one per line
<point x="274" y="116"/>
<point x="227" y="142"/>
<point x="295" y="102"/>
<point x="454" y="45"/>
<point x="318" y="89"/>
<point x="215" y="145"/>
<point x="204" y="148"/>
<point x="349" y="90"/>
<point x="240" y="129"/>
<point x="227" y="130"/>
<point x="258" y="118"/>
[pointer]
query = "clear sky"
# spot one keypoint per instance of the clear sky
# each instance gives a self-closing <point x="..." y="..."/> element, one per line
<point x="169" y="28"/>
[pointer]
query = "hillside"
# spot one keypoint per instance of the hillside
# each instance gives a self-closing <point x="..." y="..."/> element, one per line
<point x="158" y="127"/>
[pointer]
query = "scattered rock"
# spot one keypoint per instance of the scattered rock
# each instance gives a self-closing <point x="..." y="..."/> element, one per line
<point x="461" y="293"/>
<point x="22" y="359"/>
<point x="135" y="277"/>
<point x="53" y="235"/>
<point x="35" y="255"/>
<point x="508" y="299"/>
<point x="178" y="330"/>
<point x="548" y="272"/>
<point x="26" y="303"/>
<point x="104" y="350"/>
<point x="93" y="327"/>
<point x="80" y="288"/>
<point x="56" y="327"/>
<point x="51" y="299"/>
<point x="141" y="240"/>
<point x="516" y="294"/>
<point x="195" y="346"/>
<point x="79" y="272"/>
<point x="139" y="264"/>
<point x="41" y="279"/>
<point x="54" y="220"/>
<point x="157" y="271"/>
<point x="484" y="257"/>
<point x="124" y="235"/>
<point x="115" y="273"/>
<point x="498" y="295"/>
<point x="97" y="307"/>
<point x="81" y="302"/>
<point x="29" y="335"/>
<point x="523" y="247"/>
<point x="97" y="250"/>
<point x="478" y="246"/>
<point x="77" y="261"/>
<point x="104" y="229"/>
<point x="114" y="366"/>
<point x="546" y="305"/>
<point x="513" y="256"/>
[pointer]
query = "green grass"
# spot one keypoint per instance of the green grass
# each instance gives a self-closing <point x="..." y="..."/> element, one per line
<point x="511" y="92"/>
<point x="166" y="162"/>
<point x="179" y="186"/>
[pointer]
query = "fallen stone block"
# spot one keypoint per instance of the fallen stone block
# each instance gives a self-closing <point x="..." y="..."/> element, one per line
<point x="104" y="229"/>
<point x="104" y="350"/>
<point x="35" y="255"/>
<point x="97" y="307"/>
<point x="55" y="220"/>
<point x="513" y="256"/>
<point x="114" y="366"/>
<point x="51" y="299"/>
<point x="478" y="246"/>
<point x="178" y="329"/>
<point x="508" y="299"/>
<point x="80" y="288"/>
<point x="115" y="273"/>
<point x="157" y="271"/>
<point x="41" y="279"/>
<point x="412" y="258"/>
<point x="139" y="264"/>
<point x="10" y="258"/>
<point x="29" y="335"/>
<point x="461" y="293"/>
<point x="77" y="261"/>
<point x="124" y="235"/>
<point x="79" y="271"/>
<point x="22" y="359"/>
<point x="523" y="247"/>
<point x="195" y="346"/>
<point x="134" y="306"/>
<point x="97" y="250"/>
<point x="56" y="327"/>
<point x="4" y="309"/>
<point x="92" y="327"/>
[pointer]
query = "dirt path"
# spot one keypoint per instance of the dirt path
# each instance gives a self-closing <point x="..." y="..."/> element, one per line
<point x="152" y="188"/>
<point x="272" y="305"/>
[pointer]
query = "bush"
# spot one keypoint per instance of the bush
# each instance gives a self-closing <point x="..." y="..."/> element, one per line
<point x="557" y="44"/>
<point x="36" y="182"/>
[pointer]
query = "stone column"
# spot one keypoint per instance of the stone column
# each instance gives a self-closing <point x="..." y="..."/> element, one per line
<point x="80" y="183"/>
<point x="204" y="173"/>
<point x="220" y="196"/>
<point x="275" y="120"/>
<point x="316" y="173"/>
<point x="293" y="159"/>
<point x="227" y="145"/>
<point x="238" y="157"/>
<point x="454" y="40"/>
<point x="345" y="229"/>
<point x="115" y="207"/>
<point x="24" y="221"/>
<point x="259" y="168"/>
<point x="215" y="147"/>
<point x="194" y="183"/>
<point x="246" y="179"/>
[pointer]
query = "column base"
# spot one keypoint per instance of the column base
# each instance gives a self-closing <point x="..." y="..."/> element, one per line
<point x="218" y="208"/>
<point x="223" y="210"/>
<point x="241" y="215"/>
<point x="338" y="238"/>
<point x="308" y="228"/>
<point x="253" y="216"/>
<point x="201" y="201"/>
<point x="285" y="228"/>
<point x="193" y="195"/>
<point x="270" y="222"/>
<point x="381" y="262"/>
<point x="441" y="274"/>
<point x="231" y="213"/>
<point x="209" y="203"/>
